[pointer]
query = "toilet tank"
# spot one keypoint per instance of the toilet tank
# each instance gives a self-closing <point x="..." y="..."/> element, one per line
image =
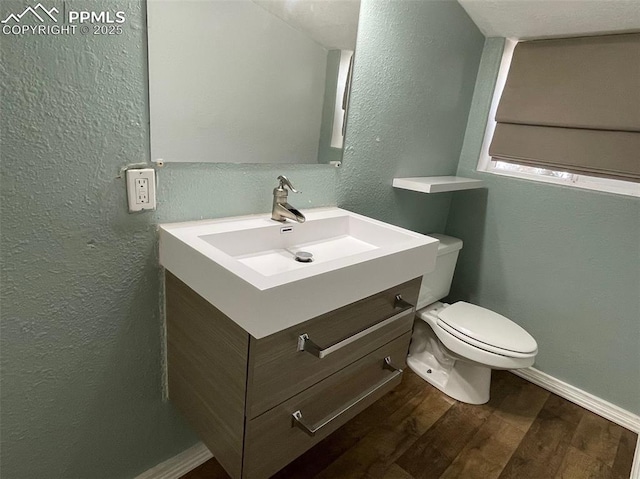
<point x="437" y="283"/>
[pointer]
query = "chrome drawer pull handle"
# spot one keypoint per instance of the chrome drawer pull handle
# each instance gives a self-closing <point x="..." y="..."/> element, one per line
<point x="311" y="430"/>
<point x="389" y="365"/>
<point x="306" y="344"/>
<point x="401" y="303"/>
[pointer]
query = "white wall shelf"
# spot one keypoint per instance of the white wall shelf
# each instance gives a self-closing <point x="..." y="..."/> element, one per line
<point x="437" y="184"/>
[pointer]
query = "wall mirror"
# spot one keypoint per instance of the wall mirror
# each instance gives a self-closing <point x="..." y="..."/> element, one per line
<point x="249" y="81"/>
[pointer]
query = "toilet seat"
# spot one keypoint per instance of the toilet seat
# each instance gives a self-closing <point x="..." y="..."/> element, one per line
<point x="467" y="347"/>
<point x="486" y="330"/>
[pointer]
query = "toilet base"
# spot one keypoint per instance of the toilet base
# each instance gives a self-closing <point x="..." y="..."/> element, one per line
<point x="465" y="381"/>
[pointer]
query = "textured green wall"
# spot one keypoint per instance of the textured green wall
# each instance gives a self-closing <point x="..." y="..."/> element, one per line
<point x="561" y="262"/>
<point x="81" y="326"/>
<point x="415" y="69"/>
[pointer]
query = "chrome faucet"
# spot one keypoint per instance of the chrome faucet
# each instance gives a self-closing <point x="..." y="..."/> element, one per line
<point x="281" y="209"/>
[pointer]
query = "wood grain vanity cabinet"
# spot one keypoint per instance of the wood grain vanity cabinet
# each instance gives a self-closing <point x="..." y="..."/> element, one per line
<point x="259" y="403"/>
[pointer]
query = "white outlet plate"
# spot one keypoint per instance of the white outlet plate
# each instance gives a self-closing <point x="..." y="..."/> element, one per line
<point x="141" y="189"/>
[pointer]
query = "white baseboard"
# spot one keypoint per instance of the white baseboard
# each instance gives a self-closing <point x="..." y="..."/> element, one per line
<point x="188" y="460"/>
<point x="179" y="465"/>
<point x="582" y="398"/>
<point x="588" y="401"/>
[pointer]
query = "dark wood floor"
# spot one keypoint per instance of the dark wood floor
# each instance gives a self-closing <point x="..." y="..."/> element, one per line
<point x="417" y="432"/>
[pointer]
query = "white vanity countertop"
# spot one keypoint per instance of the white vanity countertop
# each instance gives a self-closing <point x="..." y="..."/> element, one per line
<point x="245" y="265"/>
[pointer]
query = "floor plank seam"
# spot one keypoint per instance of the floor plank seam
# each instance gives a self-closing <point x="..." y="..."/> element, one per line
<point x="416" y="432"/>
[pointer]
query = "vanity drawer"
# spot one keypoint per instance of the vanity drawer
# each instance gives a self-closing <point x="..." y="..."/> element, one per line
<point x="275" y="438"/>
<point x="278" y="369"/>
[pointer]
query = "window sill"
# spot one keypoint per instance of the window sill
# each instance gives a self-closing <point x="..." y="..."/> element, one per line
<point x="585" y="183"/>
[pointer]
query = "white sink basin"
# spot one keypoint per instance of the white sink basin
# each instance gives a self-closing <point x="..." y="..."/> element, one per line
<point x="246" y="267"/>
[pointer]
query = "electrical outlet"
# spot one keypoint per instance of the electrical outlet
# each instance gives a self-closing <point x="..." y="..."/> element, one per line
<point x="141" y="189"/>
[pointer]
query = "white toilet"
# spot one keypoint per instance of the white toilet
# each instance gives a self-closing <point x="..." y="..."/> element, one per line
<point x="454" y="347"/>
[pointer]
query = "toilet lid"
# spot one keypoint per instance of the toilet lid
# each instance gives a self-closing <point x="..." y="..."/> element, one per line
<point x="463" y="320"/>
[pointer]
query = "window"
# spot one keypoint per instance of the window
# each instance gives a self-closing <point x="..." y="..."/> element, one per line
<point x="488" y="164"/>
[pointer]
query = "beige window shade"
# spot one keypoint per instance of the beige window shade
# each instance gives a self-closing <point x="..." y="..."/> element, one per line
<point x="573" y="105"/>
